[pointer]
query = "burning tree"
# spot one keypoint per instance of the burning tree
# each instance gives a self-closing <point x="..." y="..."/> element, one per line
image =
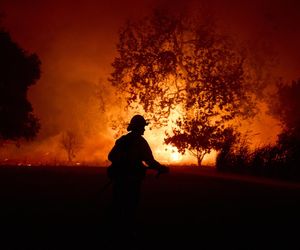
<point x="71" y="143"/>
<point x="168" y="62"/>
<point x="18" y="71"/>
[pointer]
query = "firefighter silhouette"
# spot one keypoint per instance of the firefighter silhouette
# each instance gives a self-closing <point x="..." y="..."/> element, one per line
<point x="128" y="157"/>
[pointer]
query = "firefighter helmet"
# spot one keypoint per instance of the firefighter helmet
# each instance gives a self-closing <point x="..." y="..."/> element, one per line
<point x="137" y="122"/>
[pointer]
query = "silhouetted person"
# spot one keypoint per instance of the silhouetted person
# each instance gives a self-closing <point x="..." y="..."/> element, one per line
<point x="127" y="171"/>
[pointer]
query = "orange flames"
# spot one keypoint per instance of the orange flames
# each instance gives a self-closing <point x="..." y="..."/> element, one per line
<point x="76" y="49"/>
<point x="99" y="139"/>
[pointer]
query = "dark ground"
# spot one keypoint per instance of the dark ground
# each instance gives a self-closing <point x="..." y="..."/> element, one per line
<point x="61" y="208"/>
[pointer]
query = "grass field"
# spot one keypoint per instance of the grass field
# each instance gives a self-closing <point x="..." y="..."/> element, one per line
<point x="189" y="208"/>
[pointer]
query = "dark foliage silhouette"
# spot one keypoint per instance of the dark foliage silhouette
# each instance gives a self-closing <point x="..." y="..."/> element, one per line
<point x="274" y="161"/>
<point x="285" y="106"/>
<point x="18" y="71"/>
<point x="281" y="160"/>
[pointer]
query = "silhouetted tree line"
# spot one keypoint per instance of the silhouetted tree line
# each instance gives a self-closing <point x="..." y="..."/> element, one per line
<point x="281" y="160"/>
<point x="18" y="71"/>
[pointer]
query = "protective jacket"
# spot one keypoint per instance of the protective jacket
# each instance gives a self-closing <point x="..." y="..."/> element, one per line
<point x="128" y="156"/>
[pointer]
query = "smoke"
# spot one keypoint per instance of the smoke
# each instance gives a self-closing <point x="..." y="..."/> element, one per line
<point x="76" y="42"/>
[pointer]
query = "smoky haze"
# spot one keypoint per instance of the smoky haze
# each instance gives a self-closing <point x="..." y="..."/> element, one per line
<point x="76" y="42"/>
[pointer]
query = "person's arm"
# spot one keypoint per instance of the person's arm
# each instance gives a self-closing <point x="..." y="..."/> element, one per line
<point x="150" y="161"/>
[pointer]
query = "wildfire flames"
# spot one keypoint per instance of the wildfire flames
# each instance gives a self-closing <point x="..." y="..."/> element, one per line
<point x="76" y="49"/>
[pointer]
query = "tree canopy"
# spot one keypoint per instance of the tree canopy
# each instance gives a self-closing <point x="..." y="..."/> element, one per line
<point x="167" y="62"/>
<point x="18" y="71"/>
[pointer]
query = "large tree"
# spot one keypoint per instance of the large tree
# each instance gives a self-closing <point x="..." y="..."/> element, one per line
<point x="167" y="62"/>
<point x="18" y="71"/>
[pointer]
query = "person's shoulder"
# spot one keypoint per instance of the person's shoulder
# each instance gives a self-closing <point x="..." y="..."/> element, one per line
<point x="143" y="141"/>
<point x="121" y="139"/>
<point x="136" y="137"/>
<point x="128" y="138"/>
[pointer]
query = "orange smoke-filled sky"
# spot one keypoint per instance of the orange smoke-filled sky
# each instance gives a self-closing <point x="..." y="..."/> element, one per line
<point x="76" y="42"/>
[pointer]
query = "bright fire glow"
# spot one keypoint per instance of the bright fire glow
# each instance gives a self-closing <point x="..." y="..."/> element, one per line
<point x="167" y="154"/>
<point x="175" y="156"/>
